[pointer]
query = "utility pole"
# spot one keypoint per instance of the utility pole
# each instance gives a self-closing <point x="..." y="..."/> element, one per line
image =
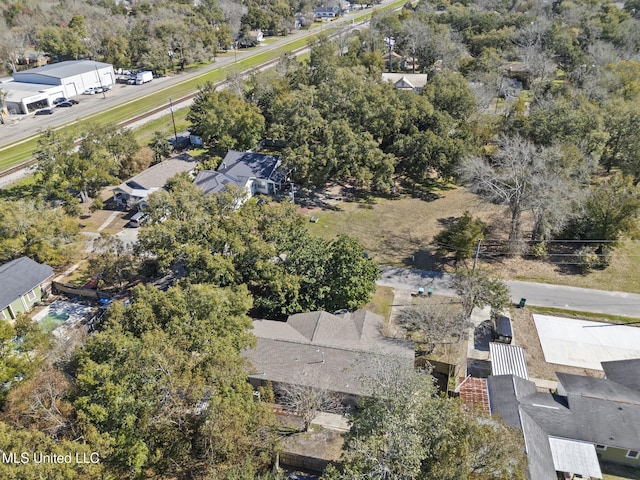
<point x="475" y="260"/>
<point x="175" y="132"/>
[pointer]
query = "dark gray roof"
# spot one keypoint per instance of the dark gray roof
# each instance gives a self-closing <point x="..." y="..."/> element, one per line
<point x="599" y="388"/>
<point x="502" y="399"/>
<point x="243" y="165"/>
<point x="505" y="391"/>
<point x="63" y="69"/>
<point x="210" y="181"/>
<point x="20" y="276"/>
<point x="595" y="420"/>
<point x="624" y="372"/>
<point x="539" y="457"/>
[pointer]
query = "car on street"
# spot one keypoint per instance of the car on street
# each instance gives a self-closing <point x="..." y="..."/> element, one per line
<point x="64" y="104"/>
<point x="45" y="111"/>
<point x="89" y="91"/>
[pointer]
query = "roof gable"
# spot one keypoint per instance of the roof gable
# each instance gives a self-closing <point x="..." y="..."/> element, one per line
<point x="248" y="165"/>
<point x="156" y="176"/>
<point x="20" y="276"/>
<point x="624" y="372"/>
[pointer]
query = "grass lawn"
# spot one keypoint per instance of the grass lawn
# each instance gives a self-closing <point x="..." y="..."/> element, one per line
<point x="381" y="302"/>
<point x="395" y="231"/>
<point x="400" y="233"/>
<point x="612" y="471"/>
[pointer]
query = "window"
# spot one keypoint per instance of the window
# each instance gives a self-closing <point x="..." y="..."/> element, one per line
<point x="601" y="447"/>
<point x="31" y="295"/>
<point x="633" y="454"/>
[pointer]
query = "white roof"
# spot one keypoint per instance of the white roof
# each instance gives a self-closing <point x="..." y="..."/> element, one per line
<point x="406" y="80"/>
<point x="575" y="457"/>
<point x="16" y="91"/>
<point x="64" y="69"/>
<point x="508" y="360"/>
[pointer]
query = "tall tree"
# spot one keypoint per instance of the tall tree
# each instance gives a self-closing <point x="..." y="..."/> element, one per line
<point x="70" y="173"/>
<point x="27" y="227"/>
<point x="165" y="381"/>
<point x="476" y="288"/>
<point x="515" y="175"/>
<point x="461" y="237"/>
<point x="225" y="121"/>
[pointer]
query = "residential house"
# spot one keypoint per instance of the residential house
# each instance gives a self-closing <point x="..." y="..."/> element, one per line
<point x="253" y="172"/>
<point x="584" y="420"/>
<point x="248" y="39"/>
<point x="392" y="61"/>
<point x="134" y="192"/>
<point x="24" y="282"/>
<point x="412" y="82"/>
<point x="326" y="12"/>
<point x="319" y="349"/>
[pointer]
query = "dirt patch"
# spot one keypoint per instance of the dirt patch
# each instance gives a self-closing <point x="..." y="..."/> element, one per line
<point x="526" y="336"/>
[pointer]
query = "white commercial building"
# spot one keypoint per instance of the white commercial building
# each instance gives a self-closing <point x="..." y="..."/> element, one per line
<point x="37" y="88"/>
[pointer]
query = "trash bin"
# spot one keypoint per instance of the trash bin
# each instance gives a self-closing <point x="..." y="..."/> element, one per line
<point x="522" y="302"/>
<point x="430" y="292"/>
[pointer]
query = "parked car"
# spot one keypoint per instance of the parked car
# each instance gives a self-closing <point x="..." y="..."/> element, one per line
<point x="89" y="91"/>
<point x="137" y="219"/>
<point x="131" y="81"/>
<point x="74" y="101"/>
<point x="64" y="104"/>
<point x="45" y="111"/>
<point x="59" y="100"/>
<point x="99" y="89"/>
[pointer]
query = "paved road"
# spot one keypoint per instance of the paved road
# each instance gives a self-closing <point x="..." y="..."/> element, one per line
<point x="538" y="294"/>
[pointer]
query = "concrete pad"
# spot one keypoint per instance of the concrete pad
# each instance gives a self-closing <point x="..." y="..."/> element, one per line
<point x="581" y="343"/>
<point x="331" y="421"/>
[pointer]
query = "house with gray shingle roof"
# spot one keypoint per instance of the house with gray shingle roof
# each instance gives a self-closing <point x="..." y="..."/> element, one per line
<point x="23" y="283"/>
<point x="134" y="192"/>
<point x="249" y="171"/>
<point x="319" y="349"/>
<point x="584" y="420"/>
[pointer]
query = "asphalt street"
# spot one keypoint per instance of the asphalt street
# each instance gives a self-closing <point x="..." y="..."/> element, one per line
<point x="538" y="294"/>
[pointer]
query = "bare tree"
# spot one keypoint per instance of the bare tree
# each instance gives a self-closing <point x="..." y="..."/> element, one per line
<point x="507" y="178"/>
<point x="477" y="289"/>
<point x="436" y="324"/>
<point x="309" y="395"/>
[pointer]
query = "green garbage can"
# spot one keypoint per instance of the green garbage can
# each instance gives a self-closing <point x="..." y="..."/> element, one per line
<point x="522" y="302"/>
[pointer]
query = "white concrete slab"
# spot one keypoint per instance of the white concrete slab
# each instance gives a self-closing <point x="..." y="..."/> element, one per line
<point x="581" y="343"/>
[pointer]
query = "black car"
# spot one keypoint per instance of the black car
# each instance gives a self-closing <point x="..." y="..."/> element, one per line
<point x="75" y="102"/>
<point x="45" y="111"/>
<point x="59" y="100"/>
<point x="65" y="104"/>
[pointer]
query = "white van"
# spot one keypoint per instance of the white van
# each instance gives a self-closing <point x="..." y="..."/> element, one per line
<point x="137" y="219"/>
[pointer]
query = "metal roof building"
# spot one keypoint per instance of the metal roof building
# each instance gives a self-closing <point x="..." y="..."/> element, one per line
<point x="36" y="88"/>
<point x="508" y="360"/>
